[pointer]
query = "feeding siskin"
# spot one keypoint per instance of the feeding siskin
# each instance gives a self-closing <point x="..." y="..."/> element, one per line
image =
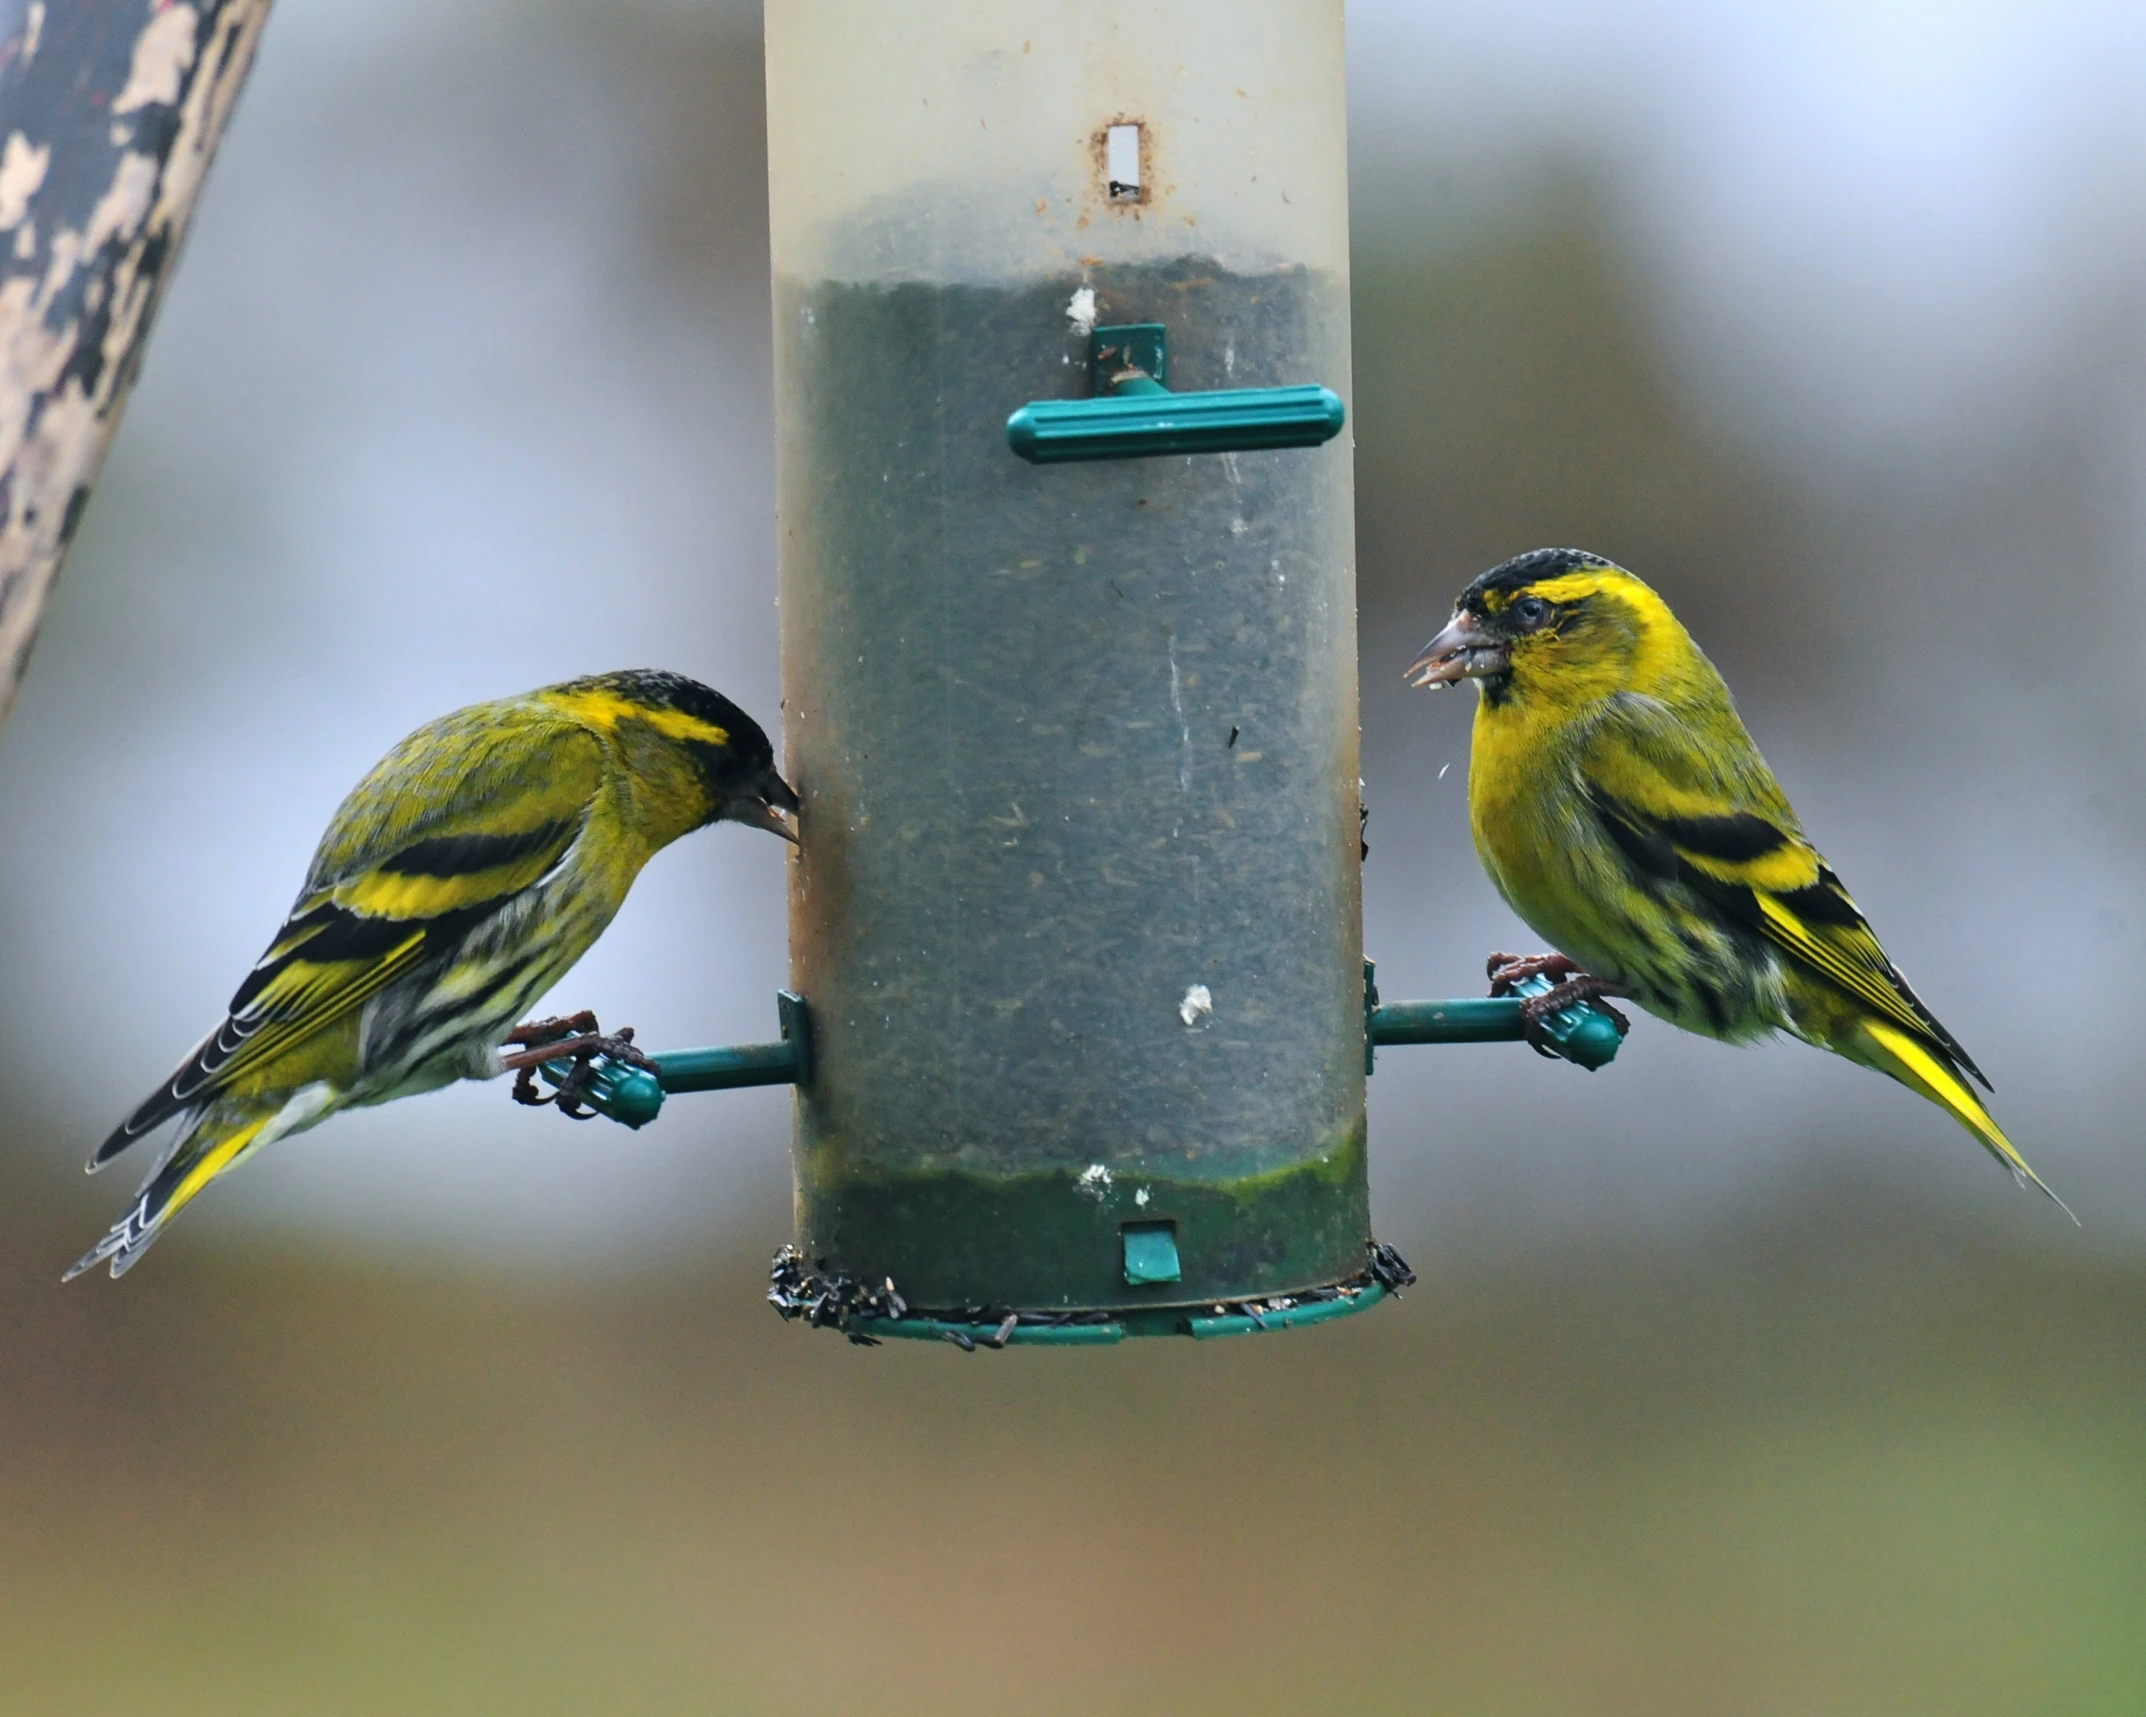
<point x="459" y="881"/>
<point x="1623" y="811"/>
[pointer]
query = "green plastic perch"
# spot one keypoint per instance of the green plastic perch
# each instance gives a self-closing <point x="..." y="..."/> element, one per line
<point x="1585" y="1035"/>
<point x="1140" y="418"/>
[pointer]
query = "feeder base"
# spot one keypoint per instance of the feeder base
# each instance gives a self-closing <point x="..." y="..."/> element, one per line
<point x="869" y="1316"/>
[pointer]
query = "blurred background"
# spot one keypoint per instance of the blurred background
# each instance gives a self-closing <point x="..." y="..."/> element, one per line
<point x="1738" y="1381"/>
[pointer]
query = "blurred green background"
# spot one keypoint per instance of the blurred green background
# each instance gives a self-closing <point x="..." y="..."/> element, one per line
<point x="1737" y="1381"/>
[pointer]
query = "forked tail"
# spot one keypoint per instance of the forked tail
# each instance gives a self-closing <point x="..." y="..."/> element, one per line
<point x="217" y="1139"/>
<point x="200" y="1158"/>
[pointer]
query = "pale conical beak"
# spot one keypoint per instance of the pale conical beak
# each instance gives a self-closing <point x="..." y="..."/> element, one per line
<point x="1463" y="651"/>
<point x="772" y="808"/>
<point x="755" y="814"/>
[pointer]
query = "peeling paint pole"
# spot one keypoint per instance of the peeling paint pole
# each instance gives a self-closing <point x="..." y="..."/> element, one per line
<point x="109" y="113"/>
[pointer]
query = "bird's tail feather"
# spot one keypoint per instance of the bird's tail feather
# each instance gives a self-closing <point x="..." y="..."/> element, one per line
<point x="1928" y="1071"/>
<point x="200" y="1157"/>
<point x="159" y="1106"/>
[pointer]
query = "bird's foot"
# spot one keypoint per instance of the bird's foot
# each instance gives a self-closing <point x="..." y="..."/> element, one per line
<point x="1506" y="970"/>
<point x="1571" y="988"/>
<point x="576" y="1038"/>
<point x="538" y="1033"/>
<point x="573" y="1036"/>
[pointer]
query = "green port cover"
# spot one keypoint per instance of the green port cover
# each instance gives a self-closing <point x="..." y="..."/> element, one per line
<point x="1151" y="1253"/>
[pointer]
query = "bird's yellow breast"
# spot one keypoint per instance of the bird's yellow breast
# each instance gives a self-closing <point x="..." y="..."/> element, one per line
<point x="1521" y="796"/>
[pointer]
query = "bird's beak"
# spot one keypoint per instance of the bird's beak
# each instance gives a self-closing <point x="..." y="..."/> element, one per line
<point x="771" y="808"/>
<point x="1463" y="651"/>
<point x="755" y="814"/>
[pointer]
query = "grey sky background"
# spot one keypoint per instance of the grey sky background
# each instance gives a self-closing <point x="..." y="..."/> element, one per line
<point x="463" y="386"/>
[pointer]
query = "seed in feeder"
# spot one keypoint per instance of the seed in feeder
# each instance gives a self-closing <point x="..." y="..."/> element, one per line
<point x="1254" y="862"/>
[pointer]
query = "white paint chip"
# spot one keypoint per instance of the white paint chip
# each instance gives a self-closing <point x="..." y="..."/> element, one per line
<point x="1198" y="1005"/>
<point x="22" y="172"/>
<point x="162" y="54"/>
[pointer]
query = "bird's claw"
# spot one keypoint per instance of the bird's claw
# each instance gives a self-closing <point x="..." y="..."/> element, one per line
<point x="1571" y="988"/>
<point x="1506" y="970"/>
<point x="576" y="1038"/>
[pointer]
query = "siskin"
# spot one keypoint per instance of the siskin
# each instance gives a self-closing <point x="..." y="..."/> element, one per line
<point x="1621" y="808"/>
<point x="459" y="881"/>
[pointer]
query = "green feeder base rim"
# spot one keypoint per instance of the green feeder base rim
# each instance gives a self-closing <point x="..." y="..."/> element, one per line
<point x="867" y="1315"/>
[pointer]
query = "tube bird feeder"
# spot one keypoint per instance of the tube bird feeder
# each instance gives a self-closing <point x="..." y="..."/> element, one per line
<point x="1077" y="912"/>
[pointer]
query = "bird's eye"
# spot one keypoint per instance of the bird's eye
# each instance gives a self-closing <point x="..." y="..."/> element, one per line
<point x="1531" y="613"/>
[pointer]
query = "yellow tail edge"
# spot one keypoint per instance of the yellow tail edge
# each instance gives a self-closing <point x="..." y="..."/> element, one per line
<point x="1894" y="1052"/>
<point x="212" y="1163"/>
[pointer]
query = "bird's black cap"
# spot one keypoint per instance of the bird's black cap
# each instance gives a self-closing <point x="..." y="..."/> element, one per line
<point x="741" y="770"/>
<point x="659" y="689"/>
<point x="1525" y="569"/>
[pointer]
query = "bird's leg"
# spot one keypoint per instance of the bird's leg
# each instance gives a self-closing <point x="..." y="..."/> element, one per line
<point x="576" y="1038"/>
<point x="1506" y="970"/>
<point x="546" y="1040"/>
<point x="540" y="1035"/>
<point x="540" y="1031"/>
<point x="1572" y="987"/>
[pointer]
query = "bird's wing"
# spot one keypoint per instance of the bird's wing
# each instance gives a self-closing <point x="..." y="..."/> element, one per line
<point x="454" y="823"/>
<point x="1701" y="808"/>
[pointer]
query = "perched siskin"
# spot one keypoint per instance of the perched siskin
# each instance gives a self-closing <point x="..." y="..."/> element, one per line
<point x="458" y="882"/>
<point x="1623" y="811"/>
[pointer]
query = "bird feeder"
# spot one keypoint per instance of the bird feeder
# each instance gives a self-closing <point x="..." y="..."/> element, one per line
<point x="1061" y="301"/>
<point x="1077" y="912"/>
